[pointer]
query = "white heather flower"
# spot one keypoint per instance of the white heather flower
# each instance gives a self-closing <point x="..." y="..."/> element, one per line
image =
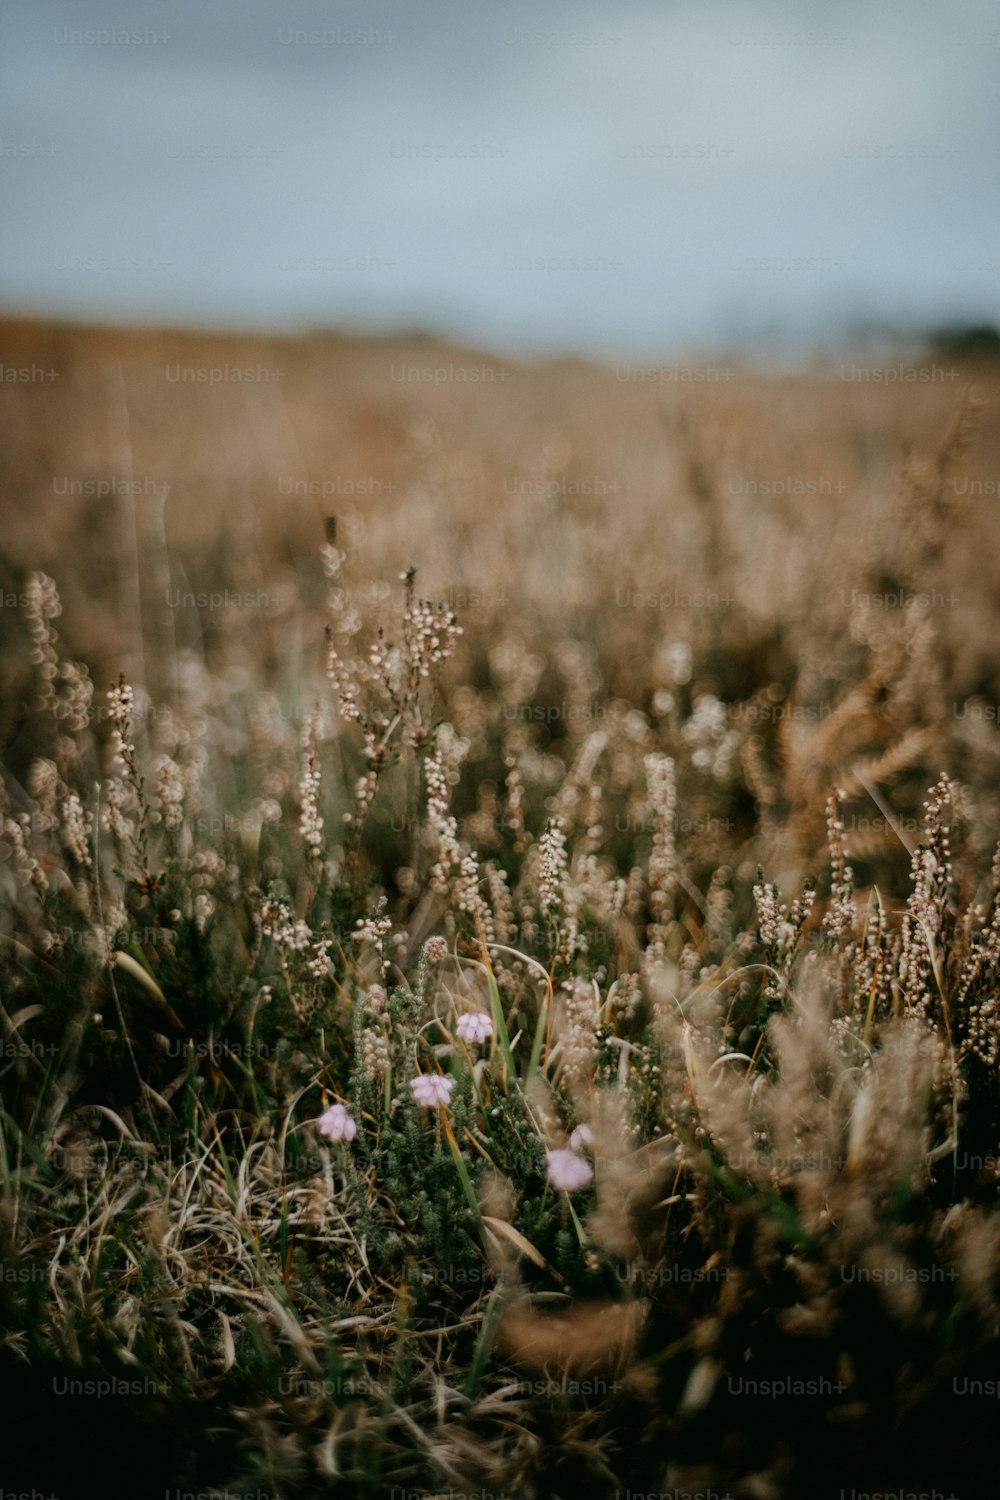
<point x="432" y="1089"/>
<point x="440" y="766"/>
<point x="43" y="784"/>
<point x="43" y="606"/>
<point x="311" y="821"/>
<point x="431" y="631"/>
<point x="552" y="868"/>
<point x="374" y="1052"/>
<point x="840" y="915"/>
<point x="582" y="1136"/>
<point x="579" y="1017"/>
<point x="475" y="1026"/>
<point x="74" y="705"/>
<point x="436" y="949"/>
<point x="770" y="914"/>
<point x="467" y="896"/>
<point x="28" y="867"/>
<point x="337" y="1125"/>
<point x="76" y="829"/>
<point x="378" y="999"/>
<point x="568" y="1172"/>
<point x="170" y="790"/>
<point x="375" y="928"/>
<point x="501" y="907"/>
<point x="301" y="936"/>
<point x="104" y="935"/>
<point x="276" y="923"/>
<point x="339" y="675"/>
<point x="318" y="962"/>
<point x="121" y="699"/>
<point x="663" y="855"/>
<point x="117" y="798"/>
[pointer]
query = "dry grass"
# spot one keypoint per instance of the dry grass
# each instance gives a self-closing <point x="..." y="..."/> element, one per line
<point x="612" y="800"/>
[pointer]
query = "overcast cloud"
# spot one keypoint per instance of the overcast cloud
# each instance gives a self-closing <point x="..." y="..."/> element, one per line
<point x="619" y="178"/>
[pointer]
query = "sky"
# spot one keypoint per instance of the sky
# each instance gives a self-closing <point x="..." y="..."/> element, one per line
<point x="632" y="178"/>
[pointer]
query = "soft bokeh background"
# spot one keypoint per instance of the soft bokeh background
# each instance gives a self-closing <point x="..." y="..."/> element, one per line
<point x="405" y="221"/>
<point x="626" y="178"/>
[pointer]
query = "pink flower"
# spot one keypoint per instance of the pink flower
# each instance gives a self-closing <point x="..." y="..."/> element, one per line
<point x="475" y="1026"/>
<point x="436" y="949"/>
<point x="567" y="1171"/>
<point x="432" y="1089"/>
<point x="337" y="1125"/>
<point x="582" y="1136"/>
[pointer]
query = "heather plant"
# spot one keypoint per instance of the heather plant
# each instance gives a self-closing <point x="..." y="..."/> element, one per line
<point x="499" y="1057"/>
<point x="378" y="1165"/>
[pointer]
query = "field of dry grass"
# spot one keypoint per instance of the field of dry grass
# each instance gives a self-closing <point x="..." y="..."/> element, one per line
<point x="675" y="762"/>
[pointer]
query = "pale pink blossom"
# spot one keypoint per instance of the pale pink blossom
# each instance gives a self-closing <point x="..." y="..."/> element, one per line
<point x="337" y="1125"/>
<point x="475" y="1026"/>
<point x="582" y="1136"/>
<point x="432" y="1089"/>
<point x="436" y="949"/>
<point x="568" y="1172"/>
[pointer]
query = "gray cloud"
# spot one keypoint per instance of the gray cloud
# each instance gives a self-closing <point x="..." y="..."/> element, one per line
<point x="606" y="178"/>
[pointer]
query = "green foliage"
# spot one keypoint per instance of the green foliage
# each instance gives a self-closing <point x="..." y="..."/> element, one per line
<point x="181" y="1011"/>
